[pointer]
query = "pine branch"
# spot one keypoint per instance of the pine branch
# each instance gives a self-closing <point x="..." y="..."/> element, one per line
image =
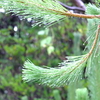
<point x="44" y="12"/>
<point x="70" y="70"/>
<point x="93" y="65"/>
<point x="52" y="76"/>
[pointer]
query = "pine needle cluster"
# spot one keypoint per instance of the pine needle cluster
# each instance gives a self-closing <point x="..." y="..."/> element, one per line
<point x="43" y="12"/>
<point x="70" y="70"/>
<point x="47" y="12"/>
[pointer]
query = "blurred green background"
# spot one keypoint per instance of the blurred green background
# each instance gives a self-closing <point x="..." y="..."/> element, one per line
<point x="19" y="42"/>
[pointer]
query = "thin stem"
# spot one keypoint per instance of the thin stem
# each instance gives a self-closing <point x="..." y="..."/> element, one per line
<point x="92" y="48"/>
<point x="90" y="52"/>
<point x="81" y="15"/>
<point x="95" y="41"/>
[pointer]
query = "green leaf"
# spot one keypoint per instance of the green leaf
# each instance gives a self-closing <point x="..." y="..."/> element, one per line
<point x="56" y="95"/>
<point x="82" y="94"/>
<point x="24" y="98"/>
<point x="45" y="42"/>
<point x="50" y="50"/>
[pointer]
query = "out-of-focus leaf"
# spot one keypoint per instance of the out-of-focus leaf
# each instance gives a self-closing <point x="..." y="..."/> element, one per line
<point x="50" y="50"/>
<point x="45" y="42"/>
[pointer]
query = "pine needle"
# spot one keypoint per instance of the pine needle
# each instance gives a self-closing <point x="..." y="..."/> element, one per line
<point x="44" y="12"/>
